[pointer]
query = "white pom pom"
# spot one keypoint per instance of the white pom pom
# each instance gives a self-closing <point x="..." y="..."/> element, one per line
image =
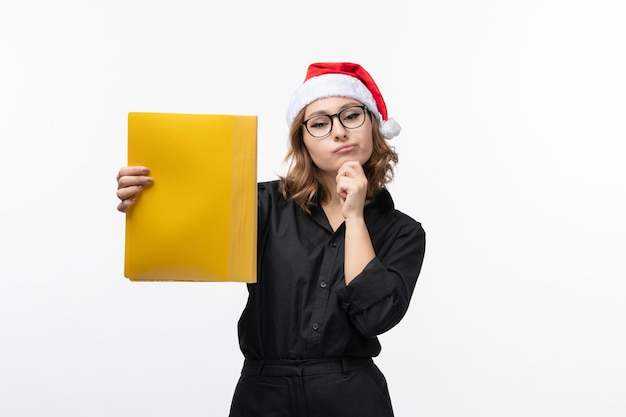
<point x="390" y="129"/>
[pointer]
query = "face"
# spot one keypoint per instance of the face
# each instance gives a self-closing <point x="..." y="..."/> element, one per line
<point x="341" y="145"/>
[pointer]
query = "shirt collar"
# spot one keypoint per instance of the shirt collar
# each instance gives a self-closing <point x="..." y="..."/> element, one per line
<point x="382" y="201"/>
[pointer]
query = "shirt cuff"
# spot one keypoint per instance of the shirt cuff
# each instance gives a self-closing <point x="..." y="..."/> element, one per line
<point x="369" y="287"/>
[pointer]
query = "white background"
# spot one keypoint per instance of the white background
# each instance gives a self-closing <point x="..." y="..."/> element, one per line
<point x="511" y="155"/>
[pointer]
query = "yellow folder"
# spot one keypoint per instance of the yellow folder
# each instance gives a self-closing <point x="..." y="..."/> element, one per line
<point x="198" y="221"/>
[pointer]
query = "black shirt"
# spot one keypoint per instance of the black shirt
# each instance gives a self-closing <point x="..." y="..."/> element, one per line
<point x="300" y="307"/>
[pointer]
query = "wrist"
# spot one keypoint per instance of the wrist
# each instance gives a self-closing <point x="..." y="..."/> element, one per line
<point x="354" y="219"/>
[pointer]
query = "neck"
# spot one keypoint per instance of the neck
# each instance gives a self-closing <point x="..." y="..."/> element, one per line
<point x="332" y="199"/>
<point x="332" y="203"/>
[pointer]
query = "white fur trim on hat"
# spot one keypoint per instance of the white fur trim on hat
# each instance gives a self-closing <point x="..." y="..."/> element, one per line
<point x="329" y="85"/>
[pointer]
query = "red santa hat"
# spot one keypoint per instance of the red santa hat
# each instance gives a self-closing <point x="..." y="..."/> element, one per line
<point x="342" y="79"/>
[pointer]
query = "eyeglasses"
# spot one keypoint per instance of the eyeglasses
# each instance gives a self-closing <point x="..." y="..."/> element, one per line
<point x="321" y="125"/>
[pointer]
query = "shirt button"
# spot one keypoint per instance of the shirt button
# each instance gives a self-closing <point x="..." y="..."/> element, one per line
<point x="315" y="326"/>
<point x="323" y="284"/>
<point x="333" y="244"/>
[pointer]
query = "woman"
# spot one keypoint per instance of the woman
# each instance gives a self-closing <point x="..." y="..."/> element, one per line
<point x="337" y="264"/>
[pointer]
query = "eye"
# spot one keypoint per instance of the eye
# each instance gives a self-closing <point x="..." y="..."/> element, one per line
<point x="317" y="125"/>
<point x="318" y="122"/>
<point x="352" y="113"/>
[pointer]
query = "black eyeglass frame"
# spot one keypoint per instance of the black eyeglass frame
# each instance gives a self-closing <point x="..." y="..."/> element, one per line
<point x="332" y="116"/>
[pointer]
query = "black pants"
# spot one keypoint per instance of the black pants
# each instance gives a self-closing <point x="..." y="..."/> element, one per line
<point x="342" y="387"/>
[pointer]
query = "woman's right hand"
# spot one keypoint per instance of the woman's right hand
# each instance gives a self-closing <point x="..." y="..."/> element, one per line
<point x="130" y="182"/>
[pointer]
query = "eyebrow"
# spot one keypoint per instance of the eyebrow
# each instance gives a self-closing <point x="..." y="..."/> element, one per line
<point x="326" y="113"/>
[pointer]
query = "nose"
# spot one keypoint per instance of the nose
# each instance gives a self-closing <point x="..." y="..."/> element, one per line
<point x="338" y="130"/>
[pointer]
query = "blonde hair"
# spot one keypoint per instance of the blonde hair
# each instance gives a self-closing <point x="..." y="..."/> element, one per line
<point x="303" y="182"/>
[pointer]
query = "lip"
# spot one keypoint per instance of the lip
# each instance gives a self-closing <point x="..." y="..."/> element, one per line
<point x="345" y="148"/>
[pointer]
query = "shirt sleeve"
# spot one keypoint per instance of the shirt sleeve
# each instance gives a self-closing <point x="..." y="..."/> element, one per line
<point x="265" y="197"/>
<point x="378" y="298"/>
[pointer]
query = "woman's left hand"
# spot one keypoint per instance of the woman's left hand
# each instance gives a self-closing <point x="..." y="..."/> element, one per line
<point x="352" y="189"/>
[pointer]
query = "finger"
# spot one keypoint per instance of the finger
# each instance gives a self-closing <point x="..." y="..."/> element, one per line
<point x="350" y="164"/>
<point x="132" y="171"/>
<point x="126" y="204"/>
<point x="342" y="192"/>
<point x="351" y="169"/>
<point x="129" y="181"/>
<point x="345" y="172"/>
<point x="345" y="186"/>
<point x="128" y="192"/>
<point x="352" y="177"/>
